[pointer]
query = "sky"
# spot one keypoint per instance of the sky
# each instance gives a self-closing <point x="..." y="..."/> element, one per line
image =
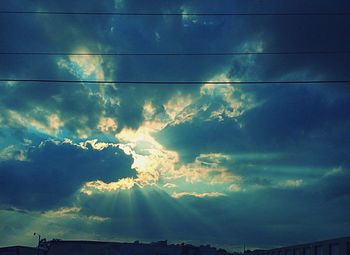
<point x="261" y="165"/>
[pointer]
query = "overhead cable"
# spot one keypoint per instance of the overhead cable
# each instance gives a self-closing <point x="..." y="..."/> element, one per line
<point x="324" y="52"/>
<point x="342" y="13"/>
<point x="177" y="82"/>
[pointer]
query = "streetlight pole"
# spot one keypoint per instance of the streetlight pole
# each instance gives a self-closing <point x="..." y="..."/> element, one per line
<point x="39" y="236"/>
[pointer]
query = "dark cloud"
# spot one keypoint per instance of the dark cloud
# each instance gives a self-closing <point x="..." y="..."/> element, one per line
<point x="152" y="34"/>
<point x="192" y="138"/>
<point x="293" y="119"/>
<point x="71" y="101"/>
<point x="53" y="172"/>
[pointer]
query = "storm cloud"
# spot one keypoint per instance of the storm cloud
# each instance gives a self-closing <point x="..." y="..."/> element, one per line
<point x="52" y="172"/>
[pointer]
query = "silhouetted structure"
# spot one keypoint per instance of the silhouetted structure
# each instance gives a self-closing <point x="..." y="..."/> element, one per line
<point x="19" y="250"/>
<point x="339" y="246"/>
<point x="58" y="247"/>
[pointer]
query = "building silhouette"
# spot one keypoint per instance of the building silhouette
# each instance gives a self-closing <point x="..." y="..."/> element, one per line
<point x="338" y="246"/>
<point x="63" y="247"/>
<point x="19" y="250"/>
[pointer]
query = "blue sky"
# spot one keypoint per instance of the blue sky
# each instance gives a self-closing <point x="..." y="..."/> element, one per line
<point x="261" y="165"/>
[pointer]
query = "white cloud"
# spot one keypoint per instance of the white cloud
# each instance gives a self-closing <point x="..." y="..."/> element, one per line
<point x="334" y="171"/>
<point x="12" y="153"/>
<point x="291" y="183"/>
<point x="49" y="123"/>
<point x="83" y="67"/>
<point x="206" y="168"/>
<point x="169" y="185"/>
<point x="175" y="108"/>
<point x="235" y="188"/>
<point x="234" y="101"/>
<point x="71" y="213"/>
<point x="151" y="159"/>
<point x="99" y="186"/>
<point x="197" y="195"/>
<point x="107" y="124"/>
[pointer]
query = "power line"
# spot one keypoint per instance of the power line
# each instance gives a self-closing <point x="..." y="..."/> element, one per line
<point x="178" y="82"/>
<point x="179" y="53"/>
<point x="343" y="13"/>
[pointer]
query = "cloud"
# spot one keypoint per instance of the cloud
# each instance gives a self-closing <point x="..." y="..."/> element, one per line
<point x="197" y="195"/>
<point x="206" y="168"/>
<point x="51" y="110"/>
<point x="11" y="152"/>
<point x="54" y="171"/>
<point x="169" y="185"/>
<point x="234" y="188"/>
<point x="100" y="186"/>
<point x="83" y="67"/>
<point x="284" y="119"/>
<point x="334" y="183"/>
<point x="291" y="183"/>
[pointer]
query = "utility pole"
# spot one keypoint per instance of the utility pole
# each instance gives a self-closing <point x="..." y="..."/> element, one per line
<point x="37" y="248"/>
